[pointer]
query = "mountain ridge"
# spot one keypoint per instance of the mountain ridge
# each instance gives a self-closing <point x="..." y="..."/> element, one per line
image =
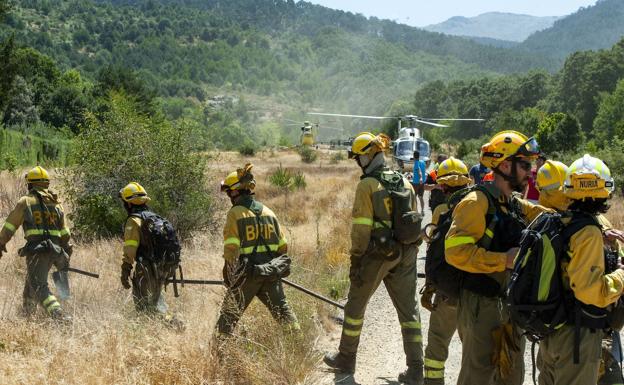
<point x="494" y="25"/>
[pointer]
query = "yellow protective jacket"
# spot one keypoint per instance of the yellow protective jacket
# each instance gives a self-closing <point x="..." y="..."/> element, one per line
<point x="30" y="214"/>
<point x="132" y="239"/>
<point x="605" y="224"/>
<point x="438" y="212"/>
<point x="241" y="232"/>
<point x="468" y="227"/>
<point x="372" y="210"/>
<point x="585" y="274"/>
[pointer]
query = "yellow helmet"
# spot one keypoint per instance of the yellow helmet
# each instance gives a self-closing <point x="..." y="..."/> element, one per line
<point x="551" y="176"/>
<point x="507" y="144"/>
<point x="588" y="177"/>
<point x="367" y="143"/>
<point x="37" y="175"/>
<point x="134" y="193"/>
<point x="453" y="172"/>
<point x="241" y="179"/>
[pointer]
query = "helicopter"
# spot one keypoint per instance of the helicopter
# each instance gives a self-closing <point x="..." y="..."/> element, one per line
<point x="409" y="139"/>
<point x="309" y="131"/>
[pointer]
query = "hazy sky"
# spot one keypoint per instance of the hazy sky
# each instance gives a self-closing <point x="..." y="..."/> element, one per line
<point x="425" y="12"/>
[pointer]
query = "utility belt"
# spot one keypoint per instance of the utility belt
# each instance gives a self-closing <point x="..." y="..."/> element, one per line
<point x="41" y="247"/>
<point x="383" y="246"/>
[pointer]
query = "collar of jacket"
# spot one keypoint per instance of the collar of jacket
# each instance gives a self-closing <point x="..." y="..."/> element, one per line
<point x="45" y="193"/>
<point x="244" y="200"/>
<point x="376" y="165"/>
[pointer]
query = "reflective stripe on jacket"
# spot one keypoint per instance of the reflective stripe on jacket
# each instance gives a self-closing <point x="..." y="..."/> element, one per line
<point x="241" y="233"/>
<point x="30" y="214"/>
<point x="469" y="226"/>
<point x="372" y="212"/>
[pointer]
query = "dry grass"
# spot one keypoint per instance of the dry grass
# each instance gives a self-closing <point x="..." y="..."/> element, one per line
<point x="108" y="343"/>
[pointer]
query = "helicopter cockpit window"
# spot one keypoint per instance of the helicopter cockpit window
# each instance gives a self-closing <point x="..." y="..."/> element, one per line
<point x="405" y="148"/>
<point x="423" y="149"/>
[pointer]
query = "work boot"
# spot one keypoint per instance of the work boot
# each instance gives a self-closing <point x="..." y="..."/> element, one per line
<point x="174" y="323"/>
<point x="412" y="376"/>
<point x="344" y="363"/>
<point x="59" y="316"/>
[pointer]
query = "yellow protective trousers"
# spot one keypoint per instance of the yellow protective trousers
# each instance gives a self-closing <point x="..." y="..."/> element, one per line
<point x="269" y="292"/>
<point x="556" y="362"/>
<point x="442" y="326"/>
<point x="478" y="317"/>
<point x="399" y="277"/>
<point x="36" y="289"/>
<point x="147" y="289"/>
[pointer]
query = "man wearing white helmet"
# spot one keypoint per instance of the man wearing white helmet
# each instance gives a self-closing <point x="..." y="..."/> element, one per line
<point x="571" y="355"/>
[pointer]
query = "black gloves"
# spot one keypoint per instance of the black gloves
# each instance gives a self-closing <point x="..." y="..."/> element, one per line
<point x="126" y="269"/>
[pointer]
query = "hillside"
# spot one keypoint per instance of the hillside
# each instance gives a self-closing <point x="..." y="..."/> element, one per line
<point x="591" y="28"/>
<point x="289" y="52"/>
<point x="494" y="25"/>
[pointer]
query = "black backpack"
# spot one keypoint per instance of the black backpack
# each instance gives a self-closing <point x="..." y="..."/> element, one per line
<point x="406" y="223"/>
<point x="537" y="299"/>
<point x="159" y="244"/>
<point x="448" y="279"/>
<point x="538" y="302"/>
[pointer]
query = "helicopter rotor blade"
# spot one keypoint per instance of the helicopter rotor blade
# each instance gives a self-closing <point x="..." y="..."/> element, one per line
<point x="430" y="123"/>
<point x="466" y="120"/>
<point x="292" y="121"/>
<point x="352" y="116"/>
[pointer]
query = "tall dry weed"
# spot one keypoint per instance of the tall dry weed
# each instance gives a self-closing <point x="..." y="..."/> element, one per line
<point x="108" y="343"/>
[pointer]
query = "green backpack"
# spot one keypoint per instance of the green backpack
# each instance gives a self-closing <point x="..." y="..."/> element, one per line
<point x="406" y="222"/>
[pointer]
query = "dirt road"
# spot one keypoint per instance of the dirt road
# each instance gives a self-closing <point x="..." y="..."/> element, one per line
<point x="380" y="354"/>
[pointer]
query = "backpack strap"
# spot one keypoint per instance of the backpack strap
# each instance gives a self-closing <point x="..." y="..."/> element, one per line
<point x="391" y="182"/>
<point x="46" y="229"/>
<point x="579" y="221"/>
<point x="491" y="218"/>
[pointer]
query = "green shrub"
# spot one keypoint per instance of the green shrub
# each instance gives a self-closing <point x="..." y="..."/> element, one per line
<point x="9" y="162"/>
<point x="281" y="178"/>
<point x="122" y="145"/>
<point x="337" y="157"/>
<point x="247" y="149"/>
<point x="298" y="181"/>
<point x="308" y="155"/>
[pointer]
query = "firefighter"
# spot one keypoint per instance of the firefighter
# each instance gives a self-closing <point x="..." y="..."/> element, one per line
<point x="376" y="258"/>
<point x="571" y="355"/>
<point x="254" y="249"/>
<point x="483" y="244"/>
<point x="47" y="241"/>
<point x="148" y="281"/>
<point x="550" y="181"/>
<point x="452" y="176"/>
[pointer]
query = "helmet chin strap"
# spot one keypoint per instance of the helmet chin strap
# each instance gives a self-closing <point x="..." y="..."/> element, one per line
<point x="513" y="178"/>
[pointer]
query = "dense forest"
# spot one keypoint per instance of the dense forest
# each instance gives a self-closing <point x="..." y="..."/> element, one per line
<point x="580" y="108"/>
<point x="599" y="26"/>
<point x="233" y="69"/>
